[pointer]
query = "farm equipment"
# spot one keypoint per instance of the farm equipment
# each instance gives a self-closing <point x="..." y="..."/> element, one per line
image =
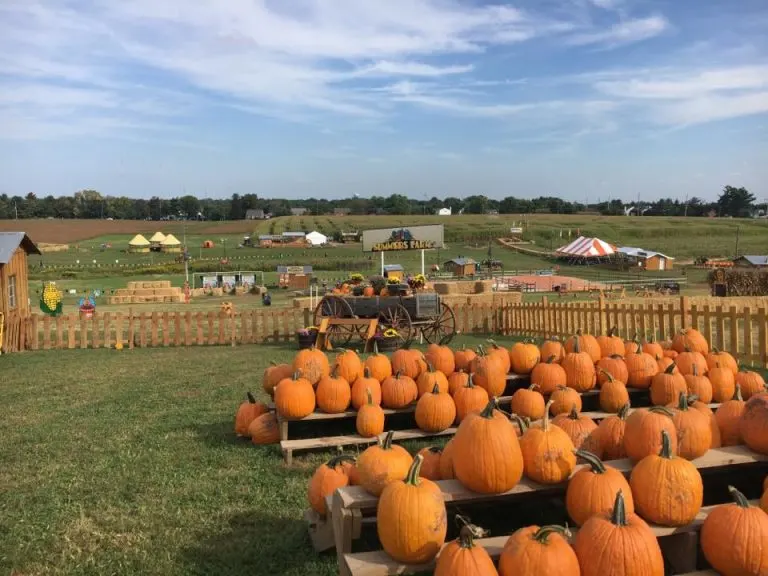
<point x="350" y="316"/>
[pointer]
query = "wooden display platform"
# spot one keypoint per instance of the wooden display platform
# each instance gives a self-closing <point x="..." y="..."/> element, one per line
<point x="352" y="505"/>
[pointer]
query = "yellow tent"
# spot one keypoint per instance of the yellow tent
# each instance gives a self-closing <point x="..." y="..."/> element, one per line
<point x="170" y="244"/>
<point x="138" y="244"/>
<point x="156" y="240"/>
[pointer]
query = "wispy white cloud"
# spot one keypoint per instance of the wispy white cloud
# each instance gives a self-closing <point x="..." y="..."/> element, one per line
<point x="624" y="32"/>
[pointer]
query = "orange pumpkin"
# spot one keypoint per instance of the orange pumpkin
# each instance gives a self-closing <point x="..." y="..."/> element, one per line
<point x="378" y="365"/>
<point x="592" y="490"/>
<point x="411" y="517"/>
<point x="463" y="358"/>
<point x="398" y="391"/>
<point x="523" y="357"/>
<point x="446" y="461"/>
<point x="667" y="386"/>
<point x="584" y="343"/>
<point x="469" y="399"/>
<point x="408" y="362"/>
<point x="687" y="360"/>
<point x="264" y="430"/>
<point x="723" y="384"/>
<point x="610" y="344"/>
<point x="613" y="394"/>
<point x="349" y="365"/>
<point x="725" y="360"/>
<point x="653" y="348"/>
<point x="369" y="291"/>
<point x="430" y="467"/>
<point x="369" y="421"/>
<point x="563" y="400"/>
<point x="435" y="411"/>
<point x="707" y="411"/>
<point x="362" y="386"/>
<point x="632" y="347"/>
<point x="642" y="434"/>
<point x="441" y="358"/>
<point x="576" y="426"/>
<point x="663" y="363"/>
<point x="429" y="379"/>
<point x="382" y="464"/>
<point x="273" y="374"/>
<point x="247" y="413"/>
<point x="312" y="364"/>
<point x="728" y="418"/>
<point x="324" y="482"/>
<point x="548" y="452"/>
<point x="734" y="537"/>
<point x="548" y="376"/>
<point x="528" y="403"/>
<point x="456" y="381"/>
<point x="489" y="373"/>
<point x="463" y="556"/>
<point x="579" y="367"/>
<point x="552" y="347"/>
<point x="333" y="392"/>
<point x="754" y="423"/>
<point x="610" y="435"/>
<point x="615" y="366"/>
<point x="535" y="551"/>
<point x="501" y="354"/>
<point x="751" y="383"/>
<point x="670" y="354"/>
<point x="294" y="398"/>
<point x="699" y="385"/>
<point x="690" y="339"/>
<point x="642" y="368"/>
<point x="487" y="457"/>
<point x="694" y="435"/>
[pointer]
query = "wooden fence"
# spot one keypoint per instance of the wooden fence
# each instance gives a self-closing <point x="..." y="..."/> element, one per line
<point x="743" y="332"/>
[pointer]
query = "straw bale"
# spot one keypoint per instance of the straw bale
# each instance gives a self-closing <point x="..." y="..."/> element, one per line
<point x="483" y="286"/>
<point x="133" y="285"/>
<point x="446" y="288"/>
<point x="217" y="291"/>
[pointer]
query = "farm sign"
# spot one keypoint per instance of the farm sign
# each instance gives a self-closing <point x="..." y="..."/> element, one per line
<point x="410" y="238"/>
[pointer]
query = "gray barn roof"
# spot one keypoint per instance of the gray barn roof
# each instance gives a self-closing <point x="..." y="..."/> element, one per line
<point x="756" y="260"/>
<point x="10" y="241"/>
<point x="461" y="261"/>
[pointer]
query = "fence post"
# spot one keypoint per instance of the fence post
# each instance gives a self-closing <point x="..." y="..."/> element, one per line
<point x="603" y="317"/>
<point x="684" y="304"/>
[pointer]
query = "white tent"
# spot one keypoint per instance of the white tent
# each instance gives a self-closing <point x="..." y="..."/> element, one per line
<point x="317" y="239"/>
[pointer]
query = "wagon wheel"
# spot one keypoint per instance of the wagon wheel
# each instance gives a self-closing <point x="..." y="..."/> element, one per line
<point x="397" y="317"/>
<point x="442" y="328"/>
<point x="335" y="307"/>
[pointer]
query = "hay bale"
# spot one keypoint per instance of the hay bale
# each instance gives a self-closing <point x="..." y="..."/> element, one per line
<point x="483" y="286"/>
<point x="133" y="285"/>
<point x="446" y="288"/>
<point x="217" y="291"/>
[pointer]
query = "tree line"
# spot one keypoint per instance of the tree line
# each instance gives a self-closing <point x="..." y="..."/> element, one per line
<point x="91" y="204"/>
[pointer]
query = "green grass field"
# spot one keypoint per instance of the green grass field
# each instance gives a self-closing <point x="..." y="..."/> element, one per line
<point x="125" y="463"/>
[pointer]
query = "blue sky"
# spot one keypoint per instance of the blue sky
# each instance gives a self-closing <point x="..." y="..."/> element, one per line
<point x="583" y="99"/>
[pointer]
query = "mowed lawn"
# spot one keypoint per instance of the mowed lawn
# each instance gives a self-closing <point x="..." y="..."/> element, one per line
<point x="126" y="463"/>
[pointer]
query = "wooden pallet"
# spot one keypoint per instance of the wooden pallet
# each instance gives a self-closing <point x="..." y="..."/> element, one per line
<point x="352" y="503"/>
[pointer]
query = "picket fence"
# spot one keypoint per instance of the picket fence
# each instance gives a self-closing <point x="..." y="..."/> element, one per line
<point x="742" y="331"/>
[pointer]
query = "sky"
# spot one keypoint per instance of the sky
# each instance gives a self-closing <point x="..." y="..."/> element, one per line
<point x="583" y="99"/>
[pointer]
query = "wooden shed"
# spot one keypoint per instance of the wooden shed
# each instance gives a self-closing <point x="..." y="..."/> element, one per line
<point x="461" y="266"/>
<point x="14" y="286"/>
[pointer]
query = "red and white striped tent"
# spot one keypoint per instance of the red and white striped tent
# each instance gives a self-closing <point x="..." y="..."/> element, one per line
<point x="584" y="247"/>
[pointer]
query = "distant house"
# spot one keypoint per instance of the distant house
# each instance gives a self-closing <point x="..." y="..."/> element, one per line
<point x="298" y="211"/>
<point x="394" y="272"/>
<point x="341" y="211"/>
<point x="255" y="214"/>
<point x="751" y="262"/>
<point x="444" y="212"/>
<point x="461" y="266"/>
<point x="646" y="259"/>
<point x="14" y="287"/>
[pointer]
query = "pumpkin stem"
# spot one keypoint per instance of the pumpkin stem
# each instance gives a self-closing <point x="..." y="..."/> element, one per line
<point x="470" y="381"/>
<point x="520" y="423"/>
<point x="612" y="331"/>
<point x="335" y="369"/>
<point x="297" y="375"/>
<point x="543" y="533"/>
<point x="435" y="450"/>
<point x="487" y="412"/>
<point x="661" y="410"/>
<point x="366" y="372"/>
<point x="739" y="498"/>
<point x="593" y="460"/>
<point x="610" y="376"/>
<point x="619" y="515"/>
<point x="251" y="399"/>
<point x="576" y="345"/>
<point x="671" y="368"/>
<point x="469" y="532"/>
<point x="573" y="414"/>
<point x="551" y="359"/>
<point x="430" y="368"/>
<point x="412" y="478"/>
<point x="682" y="403"/>
<point x="387" y="443"/>
<point x="545" y="423"/>
<point x="335" y="461"/>
<point x="616" y="357"/>
<point x="666" y="446"/>
<point x="533" y="387"/>
<point x="624" y="411"/>
<point x="737" y="395"/>
<point x="436" y="389"/>
<point x="695" y="369"/>
<point x="369" y="395"/>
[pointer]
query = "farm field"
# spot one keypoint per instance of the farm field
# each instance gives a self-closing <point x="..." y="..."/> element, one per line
<point x="126" y="463"/>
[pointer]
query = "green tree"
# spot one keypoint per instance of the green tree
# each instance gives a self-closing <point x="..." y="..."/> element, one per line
<point x="737" y="202"/>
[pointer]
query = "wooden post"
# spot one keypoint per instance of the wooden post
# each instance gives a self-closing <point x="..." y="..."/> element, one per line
<point x="211" y="332"/>
<point x="199" y="323"/>
<point x="47" y="332"/>
<point x="188" y="328"/>
<point x="734" y="332"/>
<point x="166" y="330"/>
<point x="707" y="323"/>
<point x="107" y="330"/>
<point x="83" y="333"/>
<point x="35" y="338"/>
<point x="143" y="329"/>
<point x="119" y="329"/>
<point x="762" y="332"/>
<point x="95" y="330"/>
<point x="176" y="329"/>
<point x="130" y="328"/>
<point x="60" y="345"/>
<point x="684" y="306"/>
<point x="222" y="319"/>
<point x="720" y="319"/>
<point x="154" y="327"/>
<point x="747" y="313"/>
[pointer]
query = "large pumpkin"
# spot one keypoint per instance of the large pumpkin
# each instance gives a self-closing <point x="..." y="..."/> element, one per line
<point x="610" y="344"/>
<point x="579" y="367"/>
<point x="615" y="366"/>
<point x="523" y="357"/>
<point x="463" y="556"/>
<point x="592" y="490"/>
<point x="469" y="399"/>
<point x="633" y="347"/>
<point x="653" y="348"/>
<point x="463" y="358"/>
<point x="631" y="544"/>
<point x="273" y="374"/>
<point x="456" y="381"/>
<point x="247" y="412"/>
<point x="690" y="339"/>
<point x="563" y="400"/>
<point x="398" y="391"/>
<point x="723" y="383"/>
<point x="294" y="397"/>
<point x="734" y="537"/>
<point x="668" y="490"/>
<point x="333" y="392"/>
<point x="349" y="365"/>
<point x="548" y="452"/>
<point x="535" y="551"/>
<point x="411" y="518"/>
<point x="699" y="385"/>
<point x="362" y="386"/>
<point x="642" y="368"/>
<point x="369" y="421"/>
<point x="528" y="403"/>
<point x="613" y="394"/>
<point x="707" y="411"/>
<point x="324" y="482"/>
<point x="264" y="430"/>
<point x="429" y="379"/>
<point x="554" y="348"/>
<point x="642" y="434"/>
<point x="610" y="435"/>
<point x="312" y="364"/>
<point x="584" y="343"/>
<point x="382" y="464"/>
<point x="728" y="418"/>
<point x="577" y="427"/>
<point x="441" y="358"/>
<point x="408" y="362"/>
<point x="430" y="467"/>
<point x="489" y="373"/>
<point x="548" y="375"/>
<point x="751" y="383"/>
<point x="754" y="423"/>
<point x="378" y="365"/>
<point x="724" y="359"/>
<point x="446" y="461"/>
<point x="667" y="386"/>
<point x="694" y="435"/>
<point x="435" y="411"/>
<point x="687" y="360"/>
<point x="501" y="353"/>
<point x="487" y="457"/>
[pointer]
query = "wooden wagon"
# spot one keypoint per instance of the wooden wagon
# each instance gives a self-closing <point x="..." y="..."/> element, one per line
<point x="421" y="312"/>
